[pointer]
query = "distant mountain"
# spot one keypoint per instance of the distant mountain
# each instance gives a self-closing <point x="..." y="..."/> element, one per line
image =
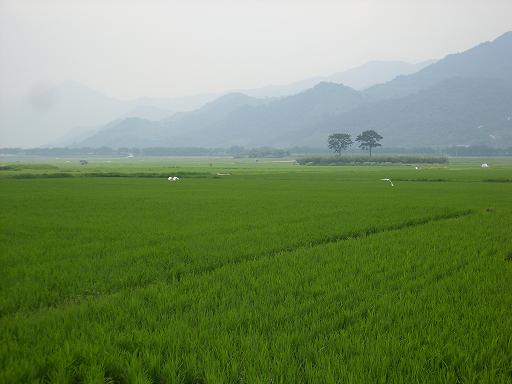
<point x="361" y="77"/>
<point x="457" y="111"/>
<point x="47" y="112"/>
<point x="137" y="132"/>
<point x="62" y="114"/>
<point x="275" y="123"/>
<point x="235" y="119"/>
<point x="490" y="60"/>
<point x="464" y="98"/>
<point x="376" y="72"/>
<point x="125" y="133"/>
<point x="79" y="134"/>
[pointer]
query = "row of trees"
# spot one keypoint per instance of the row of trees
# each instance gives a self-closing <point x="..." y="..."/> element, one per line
<point x="342" y="141"/>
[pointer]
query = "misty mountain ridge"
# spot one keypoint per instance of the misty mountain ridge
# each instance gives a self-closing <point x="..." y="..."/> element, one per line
<point x="85" y="109"/>
<point x="68" y="112"/>
<point x="77" y="110"/>
<point x="361" y="77"/>
<point x="456" y="111"/>
<point x="440" y="105"/>
<point x="258" y="125"/>
<point x="489" y="59"/>
<point x="248" y="116"/>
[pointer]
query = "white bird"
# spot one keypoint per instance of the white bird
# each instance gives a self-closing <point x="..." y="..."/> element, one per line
<point x="389" y="181"/>
<point x="485" y="165"/>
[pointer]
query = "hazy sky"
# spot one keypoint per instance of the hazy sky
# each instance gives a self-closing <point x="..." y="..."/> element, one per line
<point x="130" y="48"/>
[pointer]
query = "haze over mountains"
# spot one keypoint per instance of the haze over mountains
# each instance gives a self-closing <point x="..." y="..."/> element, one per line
<point x="462" y="99"/>
<point x="71" y="112"/>
<point x="234" y="119"/>
<point x="362" y="77"/>
<point x="489" y="59"/>
<point x="456" y="111"/>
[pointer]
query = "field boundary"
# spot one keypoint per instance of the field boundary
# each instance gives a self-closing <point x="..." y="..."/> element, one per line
<point x="354" y="235"/>
<point x="375" y="230"/>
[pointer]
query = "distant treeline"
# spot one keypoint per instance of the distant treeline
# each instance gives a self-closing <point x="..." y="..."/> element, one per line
<point x="107" y="151"/>
<point x="459" y="150"/>
<point x="154" y="151"/>
<point x="238" y="151"/>
<point x="478" y="150"/>
<point x="349" y="160"/>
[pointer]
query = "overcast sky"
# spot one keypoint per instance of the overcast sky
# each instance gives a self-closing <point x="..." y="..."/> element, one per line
<point x="131" y="48"/>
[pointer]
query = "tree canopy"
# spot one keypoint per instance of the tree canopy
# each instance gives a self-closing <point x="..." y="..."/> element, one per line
<point x="339" y="142"/>
<point x="368" y="140"/>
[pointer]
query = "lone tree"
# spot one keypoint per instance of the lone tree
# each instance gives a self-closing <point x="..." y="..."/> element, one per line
<point x="368" y="140"/>
<point x="339" y="142"/>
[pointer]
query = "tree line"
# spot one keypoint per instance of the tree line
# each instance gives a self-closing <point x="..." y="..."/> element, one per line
<point x="338" y="142"/>
<point x="235" y="151"/>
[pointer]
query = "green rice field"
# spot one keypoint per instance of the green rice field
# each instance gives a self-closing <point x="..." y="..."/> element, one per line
<point x="270" y="272"/>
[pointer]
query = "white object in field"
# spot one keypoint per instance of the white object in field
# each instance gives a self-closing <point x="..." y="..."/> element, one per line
<point x="130" y="155"/>
<point x="485" y="165"/>
<point x="389" y="181"/>
<point x="173" y="178"/>
<point x="223" y="174"/>
<point x="176" y="178"/>
<point x="416" y="168"/>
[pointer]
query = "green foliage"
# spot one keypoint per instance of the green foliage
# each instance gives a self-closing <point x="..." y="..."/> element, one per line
<point x="352" y="160"/>
<point x="263" y="152"/>
<point x="275" y="273"/>
<point x="338" y="142"/>
<point x="368" y="140"/>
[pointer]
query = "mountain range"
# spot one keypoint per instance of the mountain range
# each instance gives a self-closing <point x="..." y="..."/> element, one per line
<point x="359" y="78"/>
<point x="70" y="112"/>
<point x="462" y="99"/>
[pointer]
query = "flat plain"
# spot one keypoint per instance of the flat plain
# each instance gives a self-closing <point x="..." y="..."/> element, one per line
<point x="272" y="272"/>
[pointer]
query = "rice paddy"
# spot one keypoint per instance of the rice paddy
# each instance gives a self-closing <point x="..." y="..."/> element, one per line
<point x="270" y="272"/>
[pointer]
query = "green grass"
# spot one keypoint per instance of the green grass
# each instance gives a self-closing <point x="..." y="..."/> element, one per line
<point x="276" y="273"/>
